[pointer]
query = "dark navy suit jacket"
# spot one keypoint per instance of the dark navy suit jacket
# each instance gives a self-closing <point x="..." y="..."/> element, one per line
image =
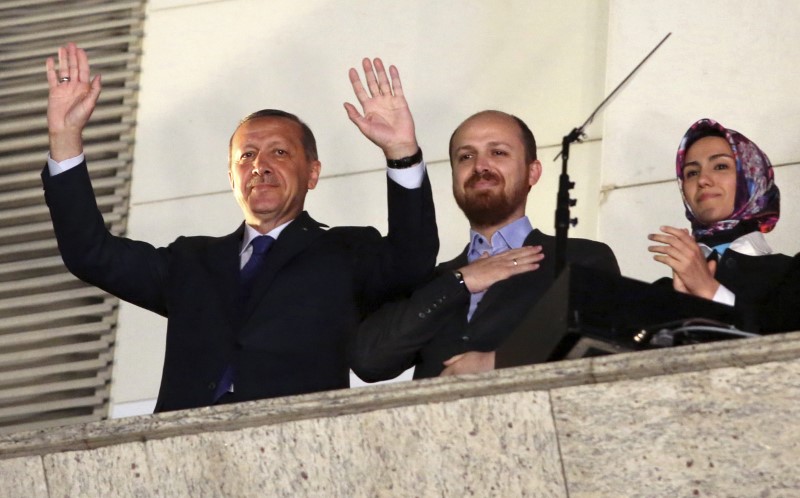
<point x="292" y="337"/>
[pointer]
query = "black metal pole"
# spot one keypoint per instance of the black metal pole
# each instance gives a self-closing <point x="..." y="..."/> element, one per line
<point x="563" y="202"/>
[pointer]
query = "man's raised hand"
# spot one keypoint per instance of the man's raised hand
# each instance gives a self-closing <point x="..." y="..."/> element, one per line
<point x="71" y="100"/>
<point x="386" y="119"/>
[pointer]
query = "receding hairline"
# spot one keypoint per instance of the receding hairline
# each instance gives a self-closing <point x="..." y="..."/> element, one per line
<point x="519" y="124"/>
<point x="485" y="113"/>
<point x="307" y="139"/>
<point x="246" y="121"/>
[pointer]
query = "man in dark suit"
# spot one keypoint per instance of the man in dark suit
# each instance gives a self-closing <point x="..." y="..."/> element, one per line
<point x="454" y="323"/>
<point x="251" y="316"/>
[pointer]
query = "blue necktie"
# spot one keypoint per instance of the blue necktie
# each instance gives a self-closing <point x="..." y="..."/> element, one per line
<point x="247" y="277"/>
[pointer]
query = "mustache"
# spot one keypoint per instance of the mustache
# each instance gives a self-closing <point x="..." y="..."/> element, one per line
<point x="481" y="175"/>
<point x="263" y="179"/>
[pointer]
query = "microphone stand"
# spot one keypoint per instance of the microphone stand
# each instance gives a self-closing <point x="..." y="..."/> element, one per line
<point x="563" y="201"/>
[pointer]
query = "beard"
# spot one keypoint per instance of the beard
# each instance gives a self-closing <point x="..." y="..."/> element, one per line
<point x="487" y="208"/>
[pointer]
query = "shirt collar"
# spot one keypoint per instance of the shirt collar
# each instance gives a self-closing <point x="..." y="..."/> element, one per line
<point x="750" y="244"/>
<point x="251" y="233"/>
<point x="511" y="236"/>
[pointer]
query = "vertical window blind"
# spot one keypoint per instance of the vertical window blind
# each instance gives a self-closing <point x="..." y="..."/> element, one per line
<point x="56" y="332"/>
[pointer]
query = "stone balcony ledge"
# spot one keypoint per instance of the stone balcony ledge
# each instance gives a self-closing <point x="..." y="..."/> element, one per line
<point x="569" y="428"/>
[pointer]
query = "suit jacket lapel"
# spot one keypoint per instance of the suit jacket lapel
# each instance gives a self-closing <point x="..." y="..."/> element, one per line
<point x="537" y="238"/>
<point x="223" y="266"/>
<point x="294" y="239"/>
<point x="455" y="263"/>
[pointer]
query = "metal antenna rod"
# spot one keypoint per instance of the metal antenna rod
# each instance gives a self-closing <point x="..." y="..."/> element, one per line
<point x="614" y="92"/>
<point x="563" y="201"/>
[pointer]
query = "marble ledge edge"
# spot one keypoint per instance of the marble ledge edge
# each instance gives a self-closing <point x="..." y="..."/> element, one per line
<point x="546" y="376"/>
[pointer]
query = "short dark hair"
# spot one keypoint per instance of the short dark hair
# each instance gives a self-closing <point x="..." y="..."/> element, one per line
<point x="528" y="140"/>
<point x="306" y="136"/>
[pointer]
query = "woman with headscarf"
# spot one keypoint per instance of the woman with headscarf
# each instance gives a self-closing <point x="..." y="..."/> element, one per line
<point x="731" y="200"/>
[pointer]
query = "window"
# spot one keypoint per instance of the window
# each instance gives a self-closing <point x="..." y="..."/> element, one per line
<point x="57" y="333"/>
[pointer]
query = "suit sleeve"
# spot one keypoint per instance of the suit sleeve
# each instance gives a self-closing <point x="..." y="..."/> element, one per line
<point x="388" y="341"/>
<point x="131" y="270"/>
<point x="406" y="256"/>
<point x="596" y="255"/>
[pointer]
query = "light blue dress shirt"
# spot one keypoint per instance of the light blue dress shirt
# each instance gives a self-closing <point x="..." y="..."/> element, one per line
<point x="511" y="236"/>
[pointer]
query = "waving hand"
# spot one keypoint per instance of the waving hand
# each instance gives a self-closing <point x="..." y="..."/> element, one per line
<point x="71" y="100"/>
<point x="386" y="119"/>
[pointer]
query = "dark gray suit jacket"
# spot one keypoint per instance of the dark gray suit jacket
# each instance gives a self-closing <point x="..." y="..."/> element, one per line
<point x="431" y="326"/>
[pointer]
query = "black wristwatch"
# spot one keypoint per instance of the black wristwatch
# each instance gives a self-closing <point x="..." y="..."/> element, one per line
<point x="405" y="162"/>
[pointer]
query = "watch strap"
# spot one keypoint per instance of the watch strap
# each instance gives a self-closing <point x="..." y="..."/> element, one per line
<point x="405" y="162"/>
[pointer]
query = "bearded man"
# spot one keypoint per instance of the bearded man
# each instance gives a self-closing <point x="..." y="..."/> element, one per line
<point x="454" y="323"/>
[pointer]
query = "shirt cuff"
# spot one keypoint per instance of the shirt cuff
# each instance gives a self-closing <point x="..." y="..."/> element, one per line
<point x="60" y="167"/>
<point x="724" y="296"/>
<point x="409" y="178"/>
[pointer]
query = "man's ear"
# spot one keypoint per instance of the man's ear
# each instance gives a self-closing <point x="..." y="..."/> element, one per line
<point x="313" y="177"/>
<point x="535" y="172"/>
<point x="230" y="178"/>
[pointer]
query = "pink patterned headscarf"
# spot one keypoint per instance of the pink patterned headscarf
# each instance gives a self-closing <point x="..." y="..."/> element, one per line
<point x="757" y="201"/>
